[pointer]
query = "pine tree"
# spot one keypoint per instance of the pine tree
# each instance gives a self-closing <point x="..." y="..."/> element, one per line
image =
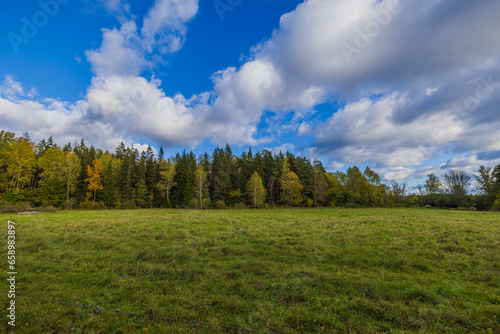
<point x="320" y="186"/>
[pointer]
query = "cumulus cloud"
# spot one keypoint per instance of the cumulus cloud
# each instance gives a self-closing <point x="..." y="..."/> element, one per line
<point x="415" y="79"/>
<point x="165" y="24"/>
<point x="136" y="107"/>
<point x="434" y="64"/>
<point x="364" y="131"/>
<point x="119" y="53"/>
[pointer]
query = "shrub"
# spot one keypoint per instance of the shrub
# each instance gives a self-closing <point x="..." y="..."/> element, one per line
<point x="496" y="205"/>
<point x="128" y="204"/>
<point x="92" y="206"/>
<point x="10" y="197"/>
<point x="310" y="203"/>
<point x="194" y="203"/>
<point x="14" y="207"/>
<point x="220" y="205"/>
<point x="48" y="208"/>
<point x="207" y="203"/>
<point x="240" y="206"/>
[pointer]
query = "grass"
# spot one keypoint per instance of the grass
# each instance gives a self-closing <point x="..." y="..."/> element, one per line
<point x="286" y="271"/>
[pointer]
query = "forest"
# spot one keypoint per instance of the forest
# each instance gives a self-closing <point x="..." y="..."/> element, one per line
<point x="80" y="177"/>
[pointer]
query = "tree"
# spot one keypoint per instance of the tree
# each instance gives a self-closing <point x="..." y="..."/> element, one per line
<point x="356" y="186"/>
<point x="51" y="164"/>
<point x="70" y="172"/>
<point x="398" y="189"/>
<point x="291" y="188"/>
<point x="20" y="161"/>
<point x="487" y="187"/>
<point x="335" y="188"/>
<point x="496" y="177"/>
<point x="185" y="166"/>
<point x="52" y="192"/>
<point x="457" y="182"/>
<point x="433" y="187"/>
<point x="375" y="190"/>
<point x="167" y="174"/>
<point x="421" y="194"/>
<point x="94" y="179"/>
<point x="485" y="180"/>
<point x="255" y="190"/>
<point x="201" y="184"/>
<point x="6" y="140"/>
<point x="320" y="189"/>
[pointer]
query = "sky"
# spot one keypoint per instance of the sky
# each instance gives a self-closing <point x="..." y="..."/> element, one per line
<point x="408" y="87"/>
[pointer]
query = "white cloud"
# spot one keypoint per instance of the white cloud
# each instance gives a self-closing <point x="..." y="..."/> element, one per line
<point x="395" y="173"/>
<point x="283" y="148"/>
<point x="119" y="53"/>
<point x="136" y="107"/>
<point x="420" y="60"/>
<point x="364" y="131"/>
<point x="143" y="148"/>
<point x="165" y="24"/>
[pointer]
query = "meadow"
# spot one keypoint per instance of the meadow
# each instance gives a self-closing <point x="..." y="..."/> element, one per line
<point x="284" y="271"/>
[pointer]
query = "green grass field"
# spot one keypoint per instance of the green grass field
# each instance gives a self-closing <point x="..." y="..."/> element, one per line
<point x="285" y="271"/>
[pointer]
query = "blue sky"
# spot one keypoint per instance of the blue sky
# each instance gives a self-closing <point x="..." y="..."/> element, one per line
<point x="408" y="88"/>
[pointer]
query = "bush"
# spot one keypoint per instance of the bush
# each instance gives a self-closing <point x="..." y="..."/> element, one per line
<point x="207" y="203"/>
<point x="14" y="207"/>
<point x="128" y="204"/>
<point x="310" y="203"/>
<point x="194" y="203"/>
<point x="92" y="206"/>
<point x="10" y="197"/>
<point x="240" y="206"/>
<point x="496" y="205"/>
<point x="48" y="208"/>
<point x="220" y="205"/>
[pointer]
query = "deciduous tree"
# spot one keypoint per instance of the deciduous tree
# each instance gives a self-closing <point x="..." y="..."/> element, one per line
<point x="201" y="184"/>
<point x="70" y="174"/>
<point x="167" y="174"/>
<point x="94" y="178"/>
<point x="20" y="161"/>
<point x="255" y="190"/>
<point x="457" y="182"/>
<point x="291" y="188"/>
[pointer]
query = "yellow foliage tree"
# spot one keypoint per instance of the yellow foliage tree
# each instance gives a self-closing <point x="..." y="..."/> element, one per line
<point x="201" y="183"/>
<point x="167" y="174"/>
<point x="20" y="161"/>
<point x="94" y="178"/>
<point x="255" y="190"/>
<point x="51" y="165"/>
<point x="70" y="173"/>
<point x="291" y="188"/>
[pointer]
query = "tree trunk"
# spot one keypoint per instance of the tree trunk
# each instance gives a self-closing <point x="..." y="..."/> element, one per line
<point x="255" y="195"/>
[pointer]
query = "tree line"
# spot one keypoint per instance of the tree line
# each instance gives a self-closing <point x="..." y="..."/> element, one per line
<point x="78" y="176"/>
